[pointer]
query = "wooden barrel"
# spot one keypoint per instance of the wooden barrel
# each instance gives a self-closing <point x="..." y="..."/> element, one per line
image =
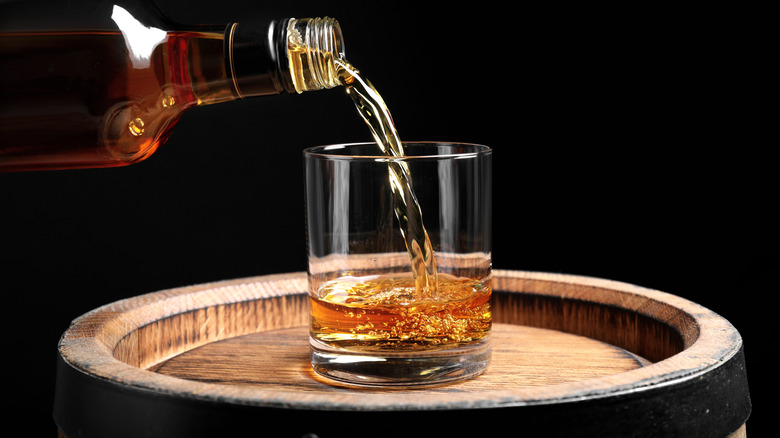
<point x="572" y="357"/>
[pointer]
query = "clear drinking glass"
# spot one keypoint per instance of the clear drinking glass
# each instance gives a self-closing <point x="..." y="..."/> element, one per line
<point x="399" y="252"/>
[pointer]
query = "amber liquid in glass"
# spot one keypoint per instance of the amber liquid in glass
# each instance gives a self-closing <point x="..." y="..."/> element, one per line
<point x="422" y="310"/>
<point x="383" y="313"/>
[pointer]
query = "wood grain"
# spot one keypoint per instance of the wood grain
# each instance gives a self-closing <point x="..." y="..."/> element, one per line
<point x="522" y="356"/>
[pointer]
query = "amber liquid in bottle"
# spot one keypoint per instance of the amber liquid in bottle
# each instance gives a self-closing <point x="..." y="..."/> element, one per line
<point x="102" y="102"/>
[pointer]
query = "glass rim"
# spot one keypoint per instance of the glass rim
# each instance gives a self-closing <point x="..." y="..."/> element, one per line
<point x="322" y="151"/>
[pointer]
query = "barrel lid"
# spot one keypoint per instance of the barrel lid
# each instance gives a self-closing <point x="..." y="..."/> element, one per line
<point x="692" y="382"/>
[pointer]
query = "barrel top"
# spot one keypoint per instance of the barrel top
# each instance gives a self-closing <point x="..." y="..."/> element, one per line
<point x="90" y="343"/>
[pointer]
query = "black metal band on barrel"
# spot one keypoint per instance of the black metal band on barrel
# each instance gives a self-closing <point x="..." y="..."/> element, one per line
<point x="256" y="58"/>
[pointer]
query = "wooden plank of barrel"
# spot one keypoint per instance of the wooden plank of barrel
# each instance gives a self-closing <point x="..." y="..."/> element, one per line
<point x="573" y="356"/>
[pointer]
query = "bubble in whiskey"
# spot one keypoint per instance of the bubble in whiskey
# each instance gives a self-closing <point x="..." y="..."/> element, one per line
<point x="136" y="126"/>
<point x="168" y="101"/>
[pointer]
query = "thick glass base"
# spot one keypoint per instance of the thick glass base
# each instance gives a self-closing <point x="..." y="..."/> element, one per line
<point x="419" y="368"/>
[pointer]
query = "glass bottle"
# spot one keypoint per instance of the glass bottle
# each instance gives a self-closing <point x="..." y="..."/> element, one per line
<point x="110" y="95"/>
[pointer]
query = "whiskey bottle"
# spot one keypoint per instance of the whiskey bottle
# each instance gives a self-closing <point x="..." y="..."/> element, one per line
<point x="110" y="95"/>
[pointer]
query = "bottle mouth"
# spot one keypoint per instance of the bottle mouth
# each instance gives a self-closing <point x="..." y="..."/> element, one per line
<point x="314" y="45"/>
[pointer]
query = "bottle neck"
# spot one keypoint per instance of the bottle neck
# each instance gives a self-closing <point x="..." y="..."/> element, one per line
<point x="287" y="56"/>
<point x="314" y="45"/>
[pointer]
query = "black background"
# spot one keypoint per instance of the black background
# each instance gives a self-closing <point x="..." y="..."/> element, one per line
<point x="625" y="148"/>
